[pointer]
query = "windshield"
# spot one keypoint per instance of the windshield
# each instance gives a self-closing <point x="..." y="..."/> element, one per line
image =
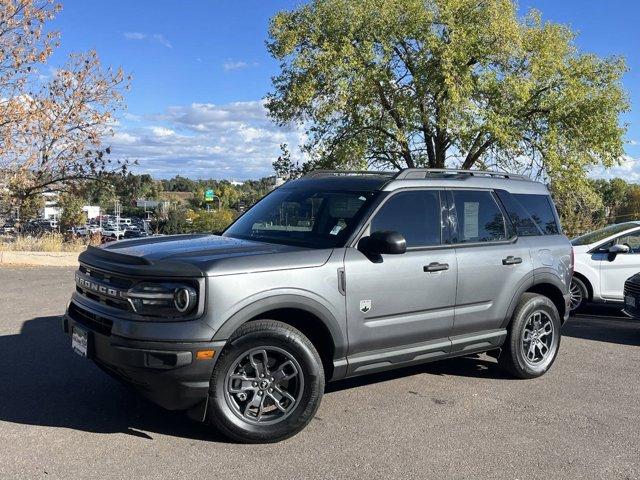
<point x="598" y="235"/>
<point x="304" y="217"/>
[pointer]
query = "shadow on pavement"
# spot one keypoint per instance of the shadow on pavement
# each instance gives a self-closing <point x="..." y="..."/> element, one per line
<point x="45" y="383"/>
<point x="604" y="323"/>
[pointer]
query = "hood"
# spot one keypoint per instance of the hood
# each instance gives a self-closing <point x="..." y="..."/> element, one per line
<point x="582" y="248"/>
<point x="184" y="246"/>
<point x="188" y="255"/>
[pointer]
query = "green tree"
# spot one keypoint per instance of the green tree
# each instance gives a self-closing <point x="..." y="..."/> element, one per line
<point x="175" y="222"/>
<point x="72" y="214"/>
<point x="212" y="222"/>
<point x="30" y="207"/>
<point x="580" y="207"/>
<point x="614" y="195"/>
<point x="437" y="83"/>
<point x="284" y="166"/>
<point x="630" y="210"/>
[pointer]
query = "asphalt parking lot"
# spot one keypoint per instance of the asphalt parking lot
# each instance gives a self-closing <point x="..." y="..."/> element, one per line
<point x="61" y="417"/>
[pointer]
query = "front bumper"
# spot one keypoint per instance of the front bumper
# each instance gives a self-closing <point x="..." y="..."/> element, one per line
<point x="166" y="372"/>
<point x="632" y="311"/>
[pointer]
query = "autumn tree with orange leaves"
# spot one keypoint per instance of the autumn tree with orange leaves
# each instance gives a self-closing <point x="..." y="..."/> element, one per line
<point x="52" y="128"/>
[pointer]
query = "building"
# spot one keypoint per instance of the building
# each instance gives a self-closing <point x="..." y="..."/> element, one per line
<point x="92" y="211"/>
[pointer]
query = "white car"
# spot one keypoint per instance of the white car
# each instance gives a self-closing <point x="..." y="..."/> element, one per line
<point x="88" y="230"/>
<point x="113" y="233"/>
<point x="604" y="259"/>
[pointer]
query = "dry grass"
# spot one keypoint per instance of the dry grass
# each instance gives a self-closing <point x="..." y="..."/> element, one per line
<point x="49" y="242"/>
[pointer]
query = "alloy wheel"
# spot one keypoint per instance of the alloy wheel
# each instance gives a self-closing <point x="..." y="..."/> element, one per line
<point x="537" y="338"/>
<point x="576" y="295"/>
<point x="264" y="385"/>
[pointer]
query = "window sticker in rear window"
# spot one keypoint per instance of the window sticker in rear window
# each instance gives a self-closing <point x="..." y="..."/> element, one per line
<point x="471" y="212"/>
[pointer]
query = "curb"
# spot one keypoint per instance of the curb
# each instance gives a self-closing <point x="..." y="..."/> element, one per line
<point x="45" y="259"/>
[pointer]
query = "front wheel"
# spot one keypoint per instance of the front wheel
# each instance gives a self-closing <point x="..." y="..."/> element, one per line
<point x="533" y="338"/>
<point x="267" y="383"/>
<point x="578" y="292"/>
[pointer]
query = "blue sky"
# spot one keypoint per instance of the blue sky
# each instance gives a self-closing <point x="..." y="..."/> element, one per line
<point x="201" y="68"/>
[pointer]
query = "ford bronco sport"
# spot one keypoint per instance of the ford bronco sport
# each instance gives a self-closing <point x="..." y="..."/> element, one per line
<point x="332" y="275"/>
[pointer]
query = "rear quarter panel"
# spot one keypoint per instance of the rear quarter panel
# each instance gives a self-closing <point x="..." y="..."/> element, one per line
<point x="551" y="257"/>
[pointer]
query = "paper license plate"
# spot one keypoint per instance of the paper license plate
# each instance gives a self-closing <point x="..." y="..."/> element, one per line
<point x="80" y="341"/>
<point x="629" y="300"/>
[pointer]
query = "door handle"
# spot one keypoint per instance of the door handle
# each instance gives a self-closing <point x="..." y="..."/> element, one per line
<point x="511" y="260"/>
<point x="435" y="267"/>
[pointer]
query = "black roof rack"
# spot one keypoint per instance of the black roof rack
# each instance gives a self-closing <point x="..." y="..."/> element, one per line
<point x="332" y="173"/>
<point x="417" y="173"/>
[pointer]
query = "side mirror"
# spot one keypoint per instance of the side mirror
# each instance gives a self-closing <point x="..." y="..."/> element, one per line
<point x="619" y="248"/>
<point x="383" y="242"/>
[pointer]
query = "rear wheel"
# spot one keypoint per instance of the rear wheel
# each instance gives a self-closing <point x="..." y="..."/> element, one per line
<point x="533" y="338"/>
<point x="578" y="292"/>
<point x="267" y="383"/>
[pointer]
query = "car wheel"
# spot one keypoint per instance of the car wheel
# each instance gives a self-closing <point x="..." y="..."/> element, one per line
<point x="267" y="384"/>
<point x="578" y="292"/>
<point x="533" y="337"/>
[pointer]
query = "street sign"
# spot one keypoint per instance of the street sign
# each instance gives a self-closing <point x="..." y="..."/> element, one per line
<point x="208" y="195"/>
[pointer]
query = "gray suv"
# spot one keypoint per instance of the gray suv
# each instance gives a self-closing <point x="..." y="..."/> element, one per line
<point x="333" y="275"/>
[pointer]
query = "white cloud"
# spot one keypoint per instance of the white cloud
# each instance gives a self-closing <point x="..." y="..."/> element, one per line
<point x="162" y="132"/>
<point x="151" y="37"/>
<point x="124" y="138"/>
<point x="131" y="117"/>
<point x="234" y="140"/>
<point x="230" y="65"/>
<point x="629" y="169"/>
<point x="134" y="35"/>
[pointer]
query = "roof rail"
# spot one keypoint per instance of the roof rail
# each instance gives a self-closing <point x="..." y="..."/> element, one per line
<point x="331" y="173"/>
<point x="416" y="173"/>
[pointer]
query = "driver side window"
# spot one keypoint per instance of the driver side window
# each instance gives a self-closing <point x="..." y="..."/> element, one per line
<point x="632" y="240"/>
<point x="415" y="214"/>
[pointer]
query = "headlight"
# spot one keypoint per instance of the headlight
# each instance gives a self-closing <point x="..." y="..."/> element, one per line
<point x="162" y="299"/>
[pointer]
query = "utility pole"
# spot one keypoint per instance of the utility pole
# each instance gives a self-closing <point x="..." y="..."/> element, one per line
<point x="116" y="211"/>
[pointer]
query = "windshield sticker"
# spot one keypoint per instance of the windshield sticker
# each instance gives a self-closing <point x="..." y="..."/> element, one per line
<point x="336" y="230"/>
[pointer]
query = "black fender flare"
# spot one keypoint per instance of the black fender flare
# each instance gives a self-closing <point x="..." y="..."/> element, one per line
<point x="538" y="277"/>
<point x="287" y="301"/>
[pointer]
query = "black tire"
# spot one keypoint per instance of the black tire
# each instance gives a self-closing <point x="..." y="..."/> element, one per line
<point x="277" y="337"/>
<point x="513" y="357"/>
<point x="578" y="288"/>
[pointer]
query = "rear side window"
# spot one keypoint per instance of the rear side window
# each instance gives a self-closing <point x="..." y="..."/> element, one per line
<point x="415" y="214"/>
<point x="530" y="214"/>
<point x="479" y="217"/>
<point x="541" y="211"/>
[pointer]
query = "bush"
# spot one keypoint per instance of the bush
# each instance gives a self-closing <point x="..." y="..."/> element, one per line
<point x="48" y="242"/>
<point x="212" y="222"/>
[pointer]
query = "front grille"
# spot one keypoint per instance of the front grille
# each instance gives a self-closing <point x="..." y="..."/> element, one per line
<point x="631" y="288"/>
<point x="90" y="320"/>
<point x="107" y="280"/>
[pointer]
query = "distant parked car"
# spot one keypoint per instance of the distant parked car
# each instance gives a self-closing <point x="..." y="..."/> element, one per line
<point x="632" y="296"/>
<point x="87" y="230"/>
<point x="7" y="229"/>
<point x="604" y="259"/>
<point x="113" y="232"/>
<point x="134" y="233"/>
